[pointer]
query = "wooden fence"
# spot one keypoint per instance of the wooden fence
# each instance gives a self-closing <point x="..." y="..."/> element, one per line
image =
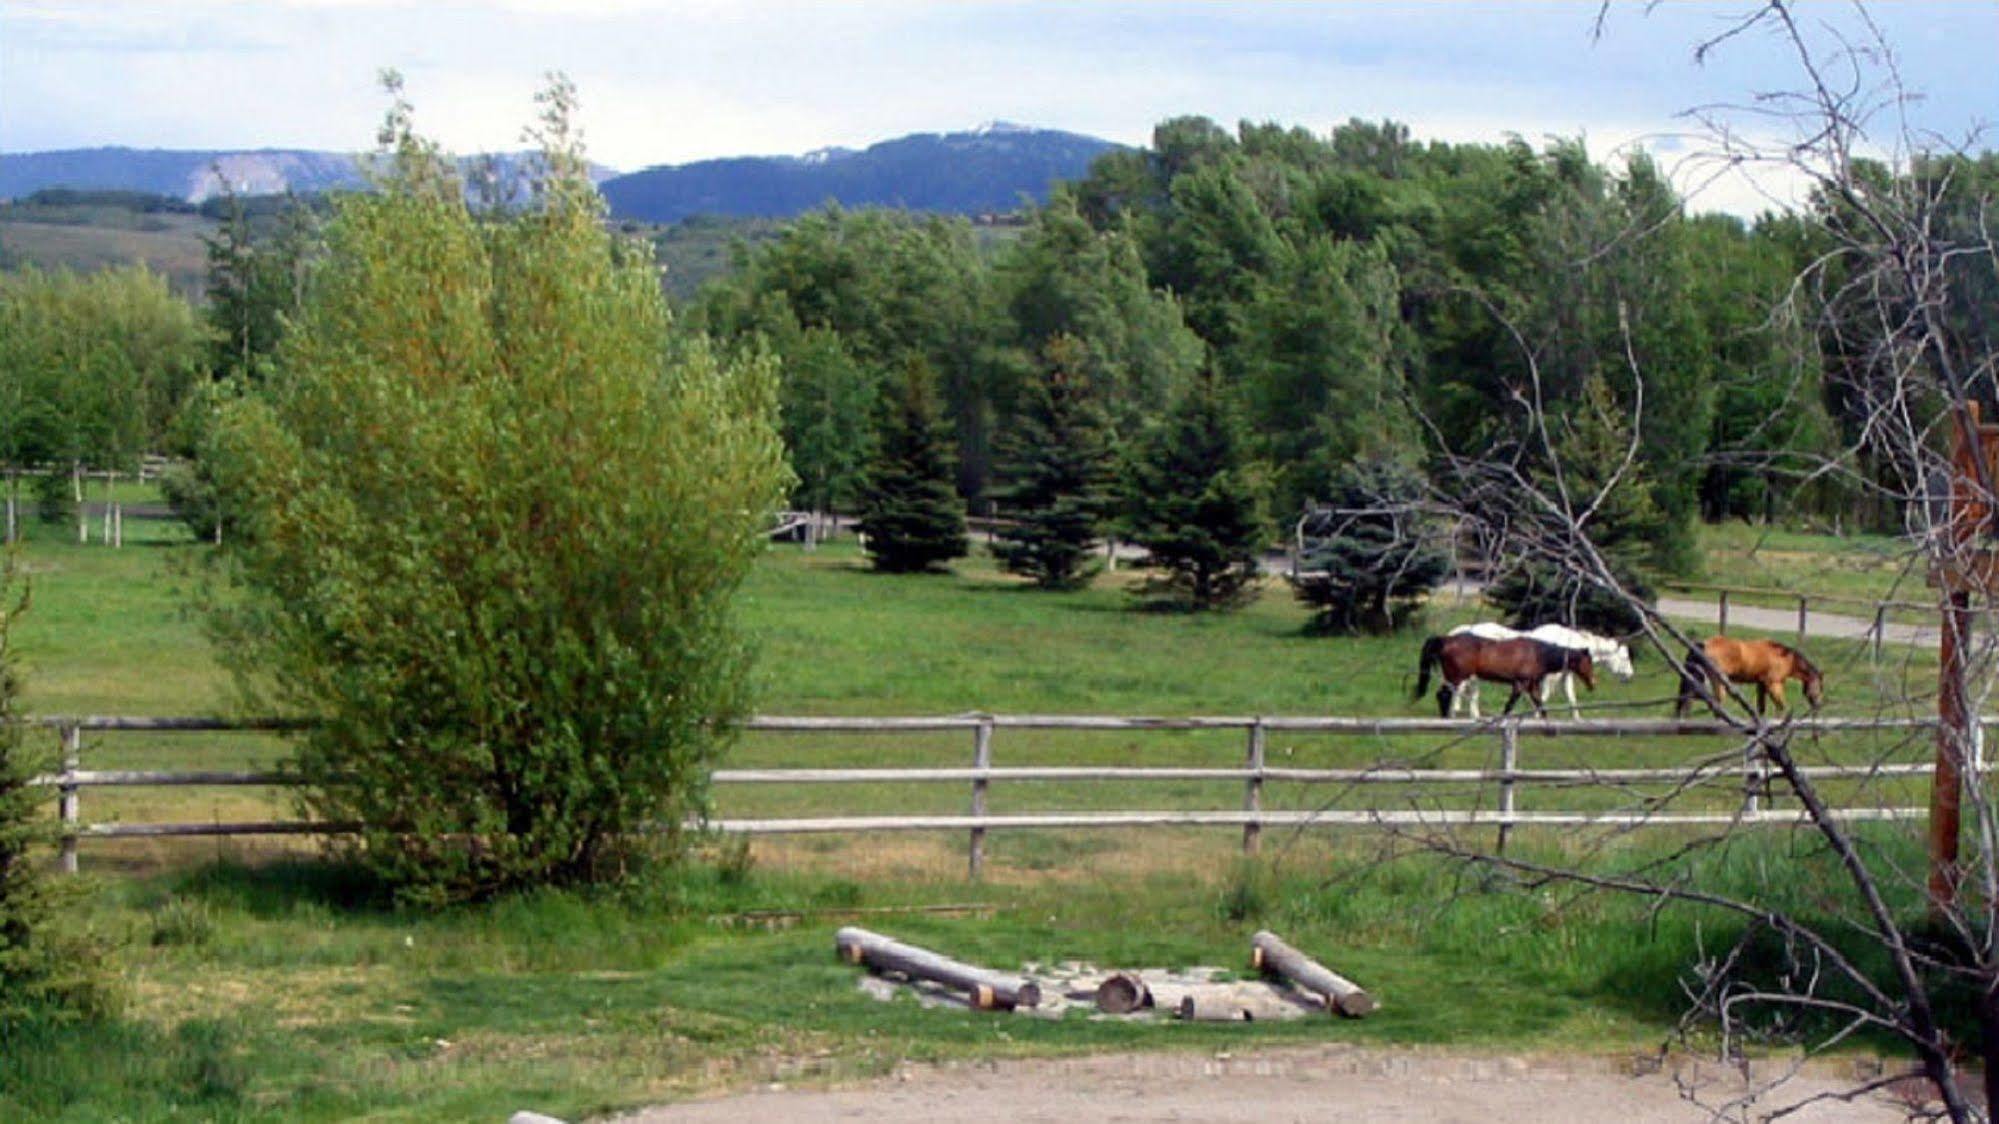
<point x="1765" y="598"/>
<point x="981" y="773"/>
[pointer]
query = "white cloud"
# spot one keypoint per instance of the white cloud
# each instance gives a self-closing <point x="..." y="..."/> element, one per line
<point x="673" y="81"/>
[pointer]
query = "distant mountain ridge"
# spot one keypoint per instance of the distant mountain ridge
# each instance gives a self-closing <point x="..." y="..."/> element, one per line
<point x="988" y="169"/>
<point x="197" y="175"/>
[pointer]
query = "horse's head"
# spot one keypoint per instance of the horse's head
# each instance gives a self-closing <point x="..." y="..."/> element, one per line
<point x="1618" y="662"/>
<point x="1579" y="661"/>
<point x="1814" y="683"/>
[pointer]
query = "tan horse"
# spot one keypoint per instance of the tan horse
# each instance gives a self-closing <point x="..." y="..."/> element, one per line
<point x="1765" y="663"/>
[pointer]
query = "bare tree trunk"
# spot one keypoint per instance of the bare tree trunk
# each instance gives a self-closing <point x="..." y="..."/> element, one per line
<point x="76" y="489"/>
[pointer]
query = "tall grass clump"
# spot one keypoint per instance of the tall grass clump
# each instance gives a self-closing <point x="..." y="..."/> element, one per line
<point x="493" y="508"/>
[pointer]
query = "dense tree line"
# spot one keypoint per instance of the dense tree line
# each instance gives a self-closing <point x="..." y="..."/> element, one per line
<point x="1355" y="297"/>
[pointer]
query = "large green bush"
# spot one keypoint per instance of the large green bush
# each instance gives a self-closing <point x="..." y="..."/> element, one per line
<point x="488" y="513"/>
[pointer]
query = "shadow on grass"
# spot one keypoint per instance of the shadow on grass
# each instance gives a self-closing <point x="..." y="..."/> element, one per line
<point x="281" y="887"/>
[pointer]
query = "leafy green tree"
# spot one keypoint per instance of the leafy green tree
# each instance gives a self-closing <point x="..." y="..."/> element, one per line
<point x="910" y="513"/>
<point x="827" y="398"/>
<point x="897" y="288"/>
<point x="1192" y="499"/>
<point x="1055" y="475"/>
<point x="492" y="509"/>
<point x="1129" y="341"/>
<point x="1319" y="364"/>
<point x="1371" y="552"/>
<point x="92" y="367"/>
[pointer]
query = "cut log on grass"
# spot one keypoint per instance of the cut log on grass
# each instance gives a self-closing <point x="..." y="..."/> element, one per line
<point x="1268" y="953"/>
<point x="1212" y="1005"/>
<point x="1122" y="994"/>
<point x="988" y="990"/>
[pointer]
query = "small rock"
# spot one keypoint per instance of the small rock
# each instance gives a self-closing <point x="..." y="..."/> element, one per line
<point x="526" y="1117"/>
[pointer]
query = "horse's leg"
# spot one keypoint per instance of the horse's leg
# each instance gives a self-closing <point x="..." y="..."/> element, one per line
<point x="1534" y="693"/>
<point x="1762" y="697"/>
<point x="1569" y="689"/>
<point x="1473" y="684"/>
<point x="1512" y="698"/>
<point x="1777" y="692"/>
<point x="1447" y="700"/>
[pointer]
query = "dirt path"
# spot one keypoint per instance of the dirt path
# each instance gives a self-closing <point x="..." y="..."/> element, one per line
<point x="1312" y="1083"/>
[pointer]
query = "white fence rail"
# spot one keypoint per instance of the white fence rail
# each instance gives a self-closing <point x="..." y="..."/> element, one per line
<point x="981" y="774"/>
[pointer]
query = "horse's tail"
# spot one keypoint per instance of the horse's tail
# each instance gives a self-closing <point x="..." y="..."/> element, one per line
<point x="1433" y="654"/>
<point x="1692" y="674"/>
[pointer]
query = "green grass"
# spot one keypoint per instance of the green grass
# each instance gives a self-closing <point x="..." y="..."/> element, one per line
<point x="295" y="997"/>
<point x="261" y="984"/>
<point x="1855" y="570"/>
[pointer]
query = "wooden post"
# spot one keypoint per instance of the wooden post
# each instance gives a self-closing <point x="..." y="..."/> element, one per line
<point x="1269" y="953"/>
<point x="1880" y="626"/>
<point x="1968" y="522"/>
<point x="982" y="758"/>
<point x="1721" y="622"/>
<point x="1947" y="787"/>
<point x="988" y="990"/>
<point x="76" y="488"/>
<point x="67" y="802"/>
<point x="1801" y="621"/>
<point x="1252" y="791"/>
<point x="1509" y="762"/>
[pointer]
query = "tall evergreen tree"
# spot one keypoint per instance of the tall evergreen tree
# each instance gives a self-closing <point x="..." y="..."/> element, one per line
<point x="1591" y="445"/>
<point x="910" y="513"/>
<point x="1192" y="500"/>
<point x="1055" y="474"/>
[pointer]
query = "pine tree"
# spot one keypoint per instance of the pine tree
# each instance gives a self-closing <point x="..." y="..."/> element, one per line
<point x="1192" y="500"/>
<point x="1625" y="527"/>
<point x="1370" y="553"/>
<point x="1055" y="472"/>
<point x="911" y="513"/>
<point x="43" y="972"/>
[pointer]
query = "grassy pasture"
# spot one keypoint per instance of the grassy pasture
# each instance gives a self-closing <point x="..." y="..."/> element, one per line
<point x="260" y="985"/>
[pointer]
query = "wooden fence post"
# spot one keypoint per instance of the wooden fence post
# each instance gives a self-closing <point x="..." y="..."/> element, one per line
<point x="1721" y="622"/>
<point x="1751" y="775"/>
<point x="1802" y="602"/>
<point x="1252" y="792"/>
<point x="982" y="758"/>
<point x="1880" y="626"/>
<point x="1509" y="762"/>
<point x="67" y="802"/>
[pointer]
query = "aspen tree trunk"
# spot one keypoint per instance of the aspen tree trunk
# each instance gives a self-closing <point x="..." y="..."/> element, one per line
<point x="76" y="489"/>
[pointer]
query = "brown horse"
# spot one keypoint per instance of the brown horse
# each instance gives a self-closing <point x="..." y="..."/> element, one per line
<point x="1522" y="664"/>
<point x="1765" y="663"/>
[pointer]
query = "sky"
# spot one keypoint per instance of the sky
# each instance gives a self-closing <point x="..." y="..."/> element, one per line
<point x="668" y="81"/>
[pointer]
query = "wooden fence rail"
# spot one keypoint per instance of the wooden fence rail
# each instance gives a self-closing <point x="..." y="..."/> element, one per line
<point x="1876" y="631"/>
<point x="1254" y="773"/>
